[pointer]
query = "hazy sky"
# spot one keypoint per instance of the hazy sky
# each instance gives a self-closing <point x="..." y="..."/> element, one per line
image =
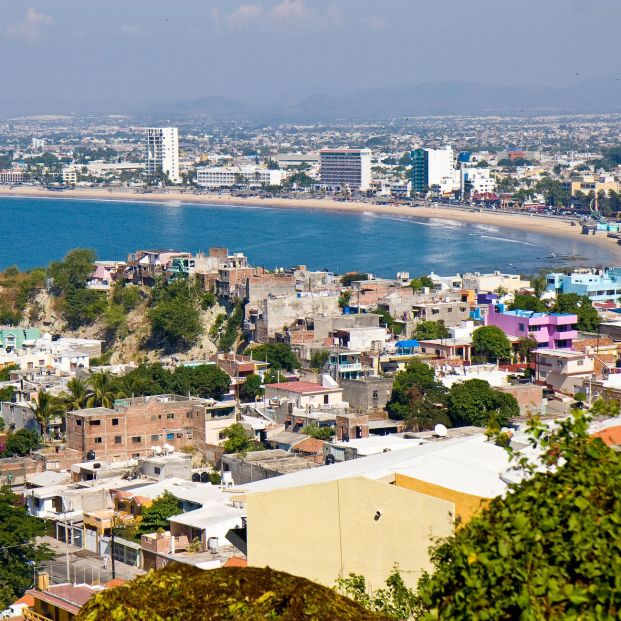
<point x="120" y="55"/>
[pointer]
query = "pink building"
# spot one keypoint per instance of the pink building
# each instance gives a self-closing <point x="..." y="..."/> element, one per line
<point x="550" y="330"/>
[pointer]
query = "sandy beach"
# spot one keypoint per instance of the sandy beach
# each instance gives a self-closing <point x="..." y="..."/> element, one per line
<point x="537" y="224"/>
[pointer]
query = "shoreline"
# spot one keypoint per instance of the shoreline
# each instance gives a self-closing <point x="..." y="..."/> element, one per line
<point x="530" y="223"/>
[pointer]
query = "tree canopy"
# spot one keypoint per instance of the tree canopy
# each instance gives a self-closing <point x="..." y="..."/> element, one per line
<point x="581" y="305"/>
<point x="156" y="515"/>
<point x="475" y="402"/>
<point x="548" y="549"/>
<point x="420" y="283"/>
<point x="18" y="533"/>
<point x="238" y="440"/>
<point x="428" y="330"/>
<point x="251" y="388"/>
<point x="22" y="442"/>
<point x="522" y="301"/>
<point x="491" y="343"/>
<point x="279" y="355"/>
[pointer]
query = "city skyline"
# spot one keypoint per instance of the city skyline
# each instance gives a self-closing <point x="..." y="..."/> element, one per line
<point x="112" y="57"/>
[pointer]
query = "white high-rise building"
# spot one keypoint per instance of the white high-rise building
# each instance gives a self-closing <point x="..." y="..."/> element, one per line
<point x="162" y="152"/>
<point x="346" y="167"/>
<point x="441" y="169"/>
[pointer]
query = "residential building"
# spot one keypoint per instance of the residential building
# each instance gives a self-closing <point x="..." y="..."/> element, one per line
<point x="141" y="426"/>
<point x="58" y="602"/>
<point x="564" y="371"/>
<point x="474" y="180"/>
<point x="597" y="285"/>
<point x="494" y="281"/>
<point x="346" y="167"/>
<point x="227" y="177"/>
<point x="162" y="152"/>
<point x="70" y="175"/>
<point x="286" y="160"/>
<point x="433" y="170"/>
<point x="306" y="395"/>
<point x="11" y="177"/>
<point x="585" y="184"/>
<point x="553" y="331"/>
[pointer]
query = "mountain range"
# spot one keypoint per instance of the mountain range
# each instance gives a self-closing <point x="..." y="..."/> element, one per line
<point x="592" y="96"/>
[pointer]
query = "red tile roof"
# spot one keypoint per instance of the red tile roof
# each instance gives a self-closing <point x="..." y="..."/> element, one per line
<point x="309" y="445"/>
<point x="610" y="436"/>
<point x="27" y="599"/>
<point x="303" y="388"/>
<point x="235" y="561"/>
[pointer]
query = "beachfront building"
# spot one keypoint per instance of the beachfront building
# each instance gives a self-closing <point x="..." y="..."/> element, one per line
<point x="475" y="181"/>
<point x="346" y="167"/>
<point x="598" y="286"/>
<point x="552" y="331"/>
<point x="585" y="184"/>
<point x="433" y="170"/>
<point x="230" y="176"/>
<point x="162" y="152"/>
<point x="492" y="282"/>
<point x="12" y="176"/>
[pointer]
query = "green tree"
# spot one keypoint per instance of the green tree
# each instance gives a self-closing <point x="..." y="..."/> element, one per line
<point x="82" y="307"/>
<point x="156" y="515"/>
<point x="344" y="298"/>
<point x="394" y="601"/>
<point x="232" y="327"/>
<point x="279" y="355"/>
<point x="525" y="347"/>
<point x="581" y="305"/>
<point x="175" y="315"/>
<point x="238" y="440"/>
<point x="418" y="398"/>
<point x="18" y="536"/>
<point x="207" y="381"/>
<point x="348" y="279"/>
<point x="104" y="390"/>
<point x="22" y="442"/>
<point x="125" y="296"/>
<point x="539" y="284"/>
<point x="251" y="388"/>
<point x="523" y="301"/>
<point x="475" y="402"/>
<point x="491" y="343"/>
<point x="547" y="549"/>
<point x="318" y="359"/>
<point x="77" y="395"/>
<point x="45" y="408"/>
<point x="7" y="394"/>
<point x="5" y="372"/>
<point x="427" y="330"/>
<point x="73" y="271"/>
<point x="420" y="283"/>
<point x="317" y="432"/>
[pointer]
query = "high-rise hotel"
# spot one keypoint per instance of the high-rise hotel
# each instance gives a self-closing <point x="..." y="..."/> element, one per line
<point x="346" y="167"/>
<point x="162" y="152"/>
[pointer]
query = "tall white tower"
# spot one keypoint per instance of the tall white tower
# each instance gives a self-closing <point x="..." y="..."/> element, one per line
<point x="162" y="151"/>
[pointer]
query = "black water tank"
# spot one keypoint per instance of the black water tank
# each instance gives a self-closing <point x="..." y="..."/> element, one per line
<point x="90" y="455"/>
<point x="196" y="478"/>
<point x="330" y="459"/>
<point x="204" y="477"/>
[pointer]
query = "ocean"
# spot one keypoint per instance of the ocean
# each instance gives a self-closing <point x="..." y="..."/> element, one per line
<point x="40" y="230"/>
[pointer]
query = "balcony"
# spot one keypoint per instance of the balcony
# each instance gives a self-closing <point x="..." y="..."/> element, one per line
<point x="31" y="615"/>
<point x="352" y="366"/>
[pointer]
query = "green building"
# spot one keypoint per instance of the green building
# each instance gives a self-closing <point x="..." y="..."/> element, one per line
<point x="14" y="338"/>
<point x="420" y="170"/>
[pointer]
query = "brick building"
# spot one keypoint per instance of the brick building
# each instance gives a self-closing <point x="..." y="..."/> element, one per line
<point x="134" y="426"/>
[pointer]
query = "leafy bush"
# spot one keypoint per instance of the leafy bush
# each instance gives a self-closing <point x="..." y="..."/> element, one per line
<point x="279" y="355"/>
<point x="475" y="402"/>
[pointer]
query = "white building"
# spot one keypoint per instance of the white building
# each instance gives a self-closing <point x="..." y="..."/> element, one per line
<point x="162" y="151"/>
<point x="11" y="177"/>
<point x="229" y="176"/>
<point x="346" y="167"/>
<point x="474" y="180"/>
<point x="441" y="170"/>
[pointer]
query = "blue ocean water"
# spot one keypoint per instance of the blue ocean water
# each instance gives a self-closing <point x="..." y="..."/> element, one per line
<point x="37" y="231"/>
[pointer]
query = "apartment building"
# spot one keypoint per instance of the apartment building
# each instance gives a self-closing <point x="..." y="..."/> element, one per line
<point x="433" y="170"/>
<point x="162" y="152"/>
<point x="229" y="176"/>
<point x="598" y="286"/>
<point x="141" y="426"/>
<point x="346" y="168"/>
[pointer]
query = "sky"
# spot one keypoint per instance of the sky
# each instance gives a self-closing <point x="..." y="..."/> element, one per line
<point x="123" y="55"/>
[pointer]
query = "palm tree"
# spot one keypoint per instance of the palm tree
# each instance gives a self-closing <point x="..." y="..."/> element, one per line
<point x="131" y="385"/>
<point x="45" y="408"/>
<point x="78" y="393"/>
<point x="105" y="390"/>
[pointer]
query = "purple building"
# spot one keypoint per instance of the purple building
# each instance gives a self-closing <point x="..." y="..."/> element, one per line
<point x="553" y="330"/>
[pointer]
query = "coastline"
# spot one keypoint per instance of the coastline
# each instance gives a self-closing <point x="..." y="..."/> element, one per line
<point x="530" y="223"/>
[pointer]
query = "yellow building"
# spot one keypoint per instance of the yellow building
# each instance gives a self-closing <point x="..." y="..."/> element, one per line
<point x="363" y="516"/>
<point x="592" y="183"/>
<point x="59" y="602"/>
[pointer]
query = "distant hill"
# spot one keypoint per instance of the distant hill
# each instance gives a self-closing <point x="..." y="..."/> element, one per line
<point x="430" y="98"/>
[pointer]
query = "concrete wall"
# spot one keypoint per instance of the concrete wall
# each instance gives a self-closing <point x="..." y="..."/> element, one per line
<point x="327" y="530"/>
<point x="367" y="395"/>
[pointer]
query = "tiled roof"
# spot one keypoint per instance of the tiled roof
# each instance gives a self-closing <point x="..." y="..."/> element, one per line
<point x="235" y="561"/>
<point x="611" y="435"/>
<point x="310" y="445"/>
<point x="303" y="387"/>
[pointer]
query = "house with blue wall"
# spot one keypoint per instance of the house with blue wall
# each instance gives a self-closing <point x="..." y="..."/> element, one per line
<point x="597" y="285"/>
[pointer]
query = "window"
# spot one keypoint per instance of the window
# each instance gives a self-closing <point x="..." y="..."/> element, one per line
<point x="78" y="422"/>
<point x="94" y="422"/>
<point x="136" y="439"/>
<point x="135" y="455"/>
<point x="115" y="421"/>
<point x="157" y="470"/>
<point x="326" y="399"/>
<point x="118" y="439"/>
<point x="170" y="416"/>
<point x="98" y="440"/>
<point x="155" y="437"/>
<point x="188" y="415"/>
<point x="580" y="363"/>
<point x="521" y="327"/>
<point x="376" y="394"/>
<point x="170" y="436"/>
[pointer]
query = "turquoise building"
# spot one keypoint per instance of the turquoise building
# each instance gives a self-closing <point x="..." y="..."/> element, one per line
<point x="604" y="286"/>
<point x="13" y="338"/>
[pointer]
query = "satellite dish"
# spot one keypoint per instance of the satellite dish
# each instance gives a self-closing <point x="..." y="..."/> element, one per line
<point x="440" y="430"/>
